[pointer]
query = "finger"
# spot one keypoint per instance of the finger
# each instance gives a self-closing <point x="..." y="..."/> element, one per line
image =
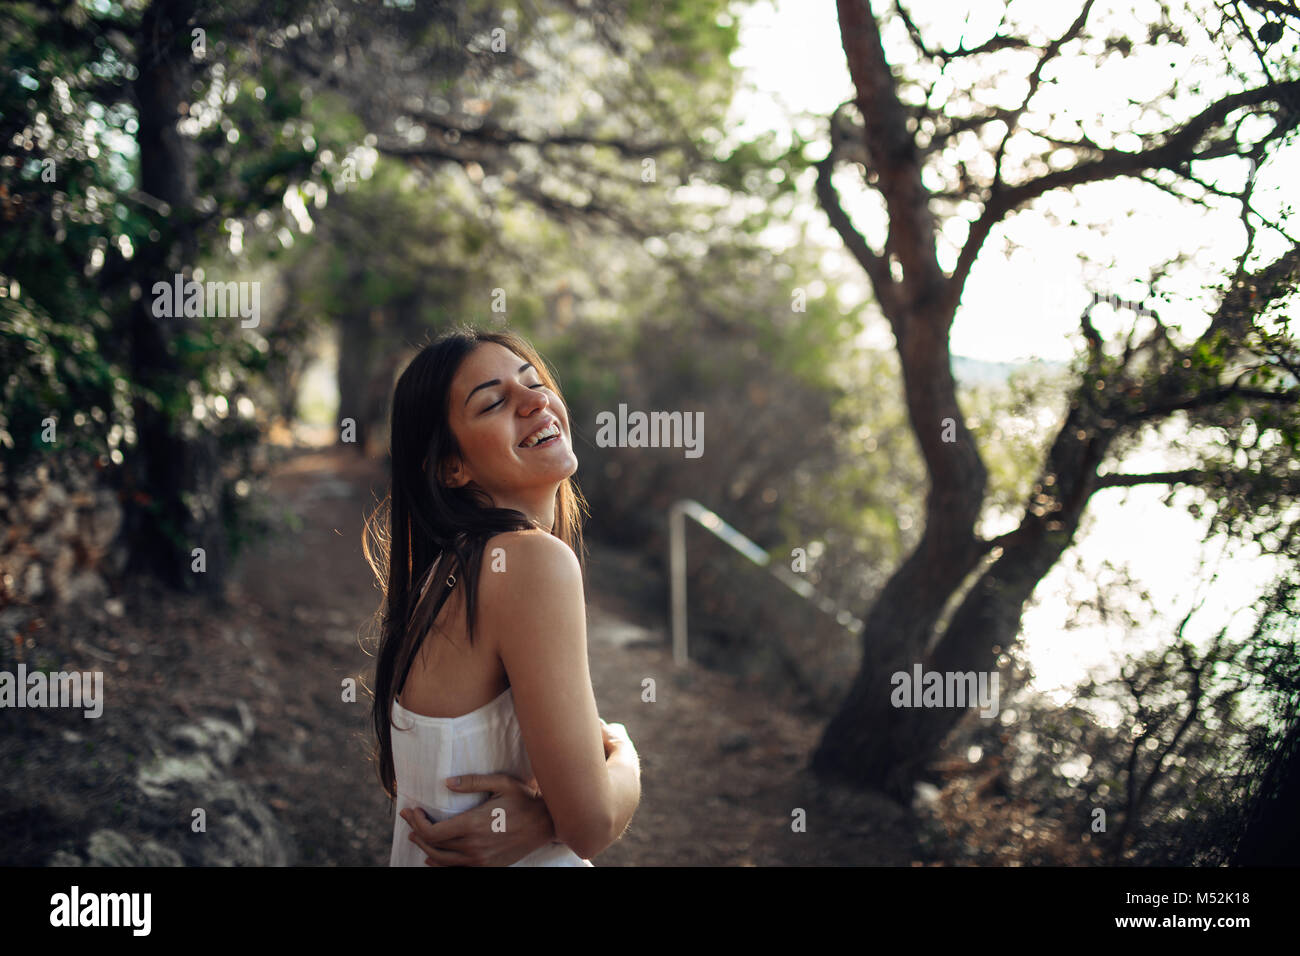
<point x="444" y="857"/>
<point x="439" y="831"/>
<point x="436" y="845"/>
<point x="477" y="782"/>
<point x="460" y="852"/>
<point x="454" y="833"/>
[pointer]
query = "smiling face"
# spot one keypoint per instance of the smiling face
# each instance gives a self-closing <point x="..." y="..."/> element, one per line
<point x="498" y="402"/>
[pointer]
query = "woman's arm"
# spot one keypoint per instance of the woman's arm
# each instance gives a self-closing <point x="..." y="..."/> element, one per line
<point x="622" y="759"/>
<point x="535" y="613"/>
<point x="471" y="839"/>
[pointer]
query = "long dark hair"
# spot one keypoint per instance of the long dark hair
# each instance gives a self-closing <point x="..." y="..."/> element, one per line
<point x="424" y="532"/>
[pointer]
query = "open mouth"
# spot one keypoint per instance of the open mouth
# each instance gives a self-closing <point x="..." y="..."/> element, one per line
<point x="544" y="436"/>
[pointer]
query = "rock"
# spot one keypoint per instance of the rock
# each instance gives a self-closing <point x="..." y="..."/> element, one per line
<point x="37" y="509"/>
<point x="48" y="546"/>
<point x="33" y="582"/>
<point x="218" y="737"/>
<point x="13" y="567"/>
<point x="60" y="522"/>
<point x="246" y="721"/>
<point x="61" y="571"/>
<point x="166" y="773"/>
<point x="240" y="829"/>
<point x="55" y="496"/>
<point x="110" y="848"/>
<point x="105" y="520"/>
<point x="14" y="618"/>
<point x="85" y="586"/>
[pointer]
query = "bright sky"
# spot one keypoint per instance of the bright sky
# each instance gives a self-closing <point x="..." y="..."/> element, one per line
<point x="1028" y="305"/>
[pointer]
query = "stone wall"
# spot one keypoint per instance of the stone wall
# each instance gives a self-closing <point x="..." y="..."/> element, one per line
<point x="60" y="535"/>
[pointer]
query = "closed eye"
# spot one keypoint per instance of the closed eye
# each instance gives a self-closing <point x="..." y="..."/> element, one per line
<point x="500" y="400"/>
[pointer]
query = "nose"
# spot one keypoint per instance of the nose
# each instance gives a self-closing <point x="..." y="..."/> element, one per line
<point x="534" y="399"/>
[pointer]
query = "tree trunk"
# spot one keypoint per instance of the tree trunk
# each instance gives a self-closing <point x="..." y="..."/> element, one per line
<point x="869" y="741"/>
<point x="355" y="348"/>
<point x="859" y="744"/>
<point x="173" y="484"/>
<point x="872" y="743"/>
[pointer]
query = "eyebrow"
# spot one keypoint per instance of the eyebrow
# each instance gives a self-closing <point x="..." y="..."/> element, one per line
<point x="495" y="381"/>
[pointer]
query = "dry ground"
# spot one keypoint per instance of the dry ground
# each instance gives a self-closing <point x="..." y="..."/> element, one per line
<point x="721" y="765"/>
<point x="722" y="776"/>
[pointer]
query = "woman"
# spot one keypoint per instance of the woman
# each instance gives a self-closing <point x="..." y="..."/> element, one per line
<point x="482" y="662"/>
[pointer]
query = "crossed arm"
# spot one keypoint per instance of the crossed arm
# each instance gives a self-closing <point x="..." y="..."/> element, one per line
<point x="468" y="838"/>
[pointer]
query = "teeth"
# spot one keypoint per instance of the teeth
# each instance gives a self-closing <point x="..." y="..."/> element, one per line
<point x="547" y="432"/>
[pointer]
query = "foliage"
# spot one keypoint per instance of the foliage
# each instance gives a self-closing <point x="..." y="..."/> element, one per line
<point x="1162" y="764"/>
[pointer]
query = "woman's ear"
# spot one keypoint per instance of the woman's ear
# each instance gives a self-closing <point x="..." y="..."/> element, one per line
<point x="453" y="473"/>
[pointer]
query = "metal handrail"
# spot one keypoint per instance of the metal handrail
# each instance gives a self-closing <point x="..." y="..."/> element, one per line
<point x="710" y="521"/>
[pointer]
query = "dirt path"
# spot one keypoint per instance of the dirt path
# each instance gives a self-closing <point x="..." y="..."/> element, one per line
<point x="238" y="709"/>
<point x="721" y="766"/>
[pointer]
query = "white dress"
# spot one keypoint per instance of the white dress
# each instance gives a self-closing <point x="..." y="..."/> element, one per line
<point x="483" y="741"/>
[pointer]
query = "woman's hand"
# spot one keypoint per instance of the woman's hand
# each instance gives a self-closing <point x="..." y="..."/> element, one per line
<point x="615" y="737"/>
<point x="467" y="839"/>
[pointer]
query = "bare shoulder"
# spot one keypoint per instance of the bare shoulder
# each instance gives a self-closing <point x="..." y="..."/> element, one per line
<point x="514" y="560"/>
<point x="530" y="583"/>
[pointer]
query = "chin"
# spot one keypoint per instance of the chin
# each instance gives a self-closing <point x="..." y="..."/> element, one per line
<point x="564" y="471"/>
<point x="558" y="468"/>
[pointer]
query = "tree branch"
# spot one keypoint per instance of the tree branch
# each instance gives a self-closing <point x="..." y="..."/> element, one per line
<point x="496" y="135"/>
<point x="1244" y="298"/>
<point x="1178" y="149"/>
<point x="1188" y="476"/>
<point x="1288" y="485"/>
<point x="1035" y="79"/>
<point x="962" y="124"/>
<point x="877" y="270"/>
<point x="1211" y="397"/>
<point x="1094" y="339"/>
<point x="997" y="42"/>
<point x="894" y="154"/>
<point x="1272" y="6"/>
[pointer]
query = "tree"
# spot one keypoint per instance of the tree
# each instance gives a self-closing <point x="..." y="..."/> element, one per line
<point x="122" y="173"/>
<point x="499" y="107"/>
<point x="1239" y="374"/>
<point x="206" y="120"/>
